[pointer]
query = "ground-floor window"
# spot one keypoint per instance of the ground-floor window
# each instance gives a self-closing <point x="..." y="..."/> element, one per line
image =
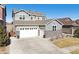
<point x="54" y="28"/>
<point x="27" y="28"/>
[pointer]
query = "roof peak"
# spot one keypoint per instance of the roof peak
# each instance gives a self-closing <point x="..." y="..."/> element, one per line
<point x="29" y="12"/>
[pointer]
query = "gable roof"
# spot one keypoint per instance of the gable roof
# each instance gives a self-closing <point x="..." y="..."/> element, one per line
<point x="74" y="23"/>
<point x="2" y="5"/>
<point x="68" y="21"/>
<point x="59" y="22"/>
<point x="29" y="12"/>
<point x="65" y="21"/>
<point x="77" y="21"/>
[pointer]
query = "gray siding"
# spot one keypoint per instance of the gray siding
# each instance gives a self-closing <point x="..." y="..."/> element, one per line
<point x="49" y="33"/>
<point x="54" y="23"/>
<point x="27" y="16"/>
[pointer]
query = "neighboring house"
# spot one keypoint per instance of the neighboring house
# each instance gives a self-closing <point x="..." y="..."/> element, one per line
<point x="68" y="26"/>
<point x="9" y="29"/>
<point x="34" y="24"/>
<point x="3" y="16"/>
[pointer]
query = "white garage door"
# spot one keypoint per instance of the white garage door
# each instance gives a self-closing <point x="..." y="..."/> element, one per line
<point x="28" y="32"/>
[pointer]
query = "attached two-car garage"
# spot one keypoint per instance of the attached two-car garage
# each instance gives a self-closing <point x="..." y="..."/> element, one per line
<point x="31" y="32"/>
<point x="25" y="32"/>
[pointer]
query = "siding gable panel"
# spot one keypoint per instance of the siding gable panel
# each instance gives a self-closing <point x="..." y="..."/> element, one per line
<point x="18" y="15"/>
<point x="53" y="23"/>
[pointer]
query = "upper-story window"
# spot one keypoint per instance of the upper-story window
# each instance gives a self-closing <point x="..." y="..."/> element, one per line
<point x="54" y="28"/>
<point x="22" y="17"/>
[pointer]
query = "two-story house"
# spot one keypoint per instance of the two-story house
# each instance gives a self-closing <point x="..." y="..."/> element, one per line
<point x="34" y="24"/>
<point x="3" y="16"/>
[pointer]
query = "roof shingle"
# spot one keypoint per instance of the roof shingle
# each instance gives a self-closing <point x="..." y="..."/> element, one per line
<point x="68" y="21"/>
<point x="37" y="22"/>
<point x="29" y="12"/>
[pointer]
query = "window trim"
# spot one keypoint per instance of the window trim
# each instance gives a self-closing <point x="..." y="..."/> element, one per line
<point x="22" y="17"/>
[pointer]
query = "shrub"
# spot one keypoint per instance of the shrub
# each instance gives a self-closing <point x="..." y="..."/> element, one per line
<point x="76" y="33"/>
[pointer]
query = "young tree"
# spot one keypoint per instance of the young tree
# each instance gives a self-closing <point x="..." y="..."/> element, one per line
<point x="4" y="39"/>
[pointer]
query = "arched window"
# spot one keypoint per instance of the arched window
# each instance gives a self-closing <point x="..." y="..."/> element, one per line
<point x="54" y="28"/>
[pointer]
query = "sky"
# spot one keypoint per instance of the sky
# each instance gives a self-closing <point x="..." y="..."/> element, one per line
<point x="49" y="10"/>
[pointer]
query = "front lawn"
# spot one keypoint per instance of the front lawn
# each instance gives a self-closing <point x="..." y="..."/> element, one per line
<point x="66" y="42"/>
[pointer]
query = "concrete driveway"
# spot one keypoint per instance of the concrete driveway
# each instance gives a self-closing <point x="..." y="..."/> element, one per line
<point x="32" y="46"/>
